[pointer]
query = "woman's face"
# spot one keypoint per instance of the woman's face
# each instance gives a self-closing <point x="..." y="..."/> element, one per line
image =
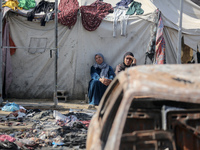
<point x="98" y="59"/>
<point x="128" y="60"/>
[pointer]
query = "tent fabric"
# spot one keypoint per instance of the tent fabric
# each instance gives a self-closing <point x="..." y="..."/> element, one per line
<point x="191" y="15"/>
<point x="6" y="67"/>
<point x="33" y="73"/>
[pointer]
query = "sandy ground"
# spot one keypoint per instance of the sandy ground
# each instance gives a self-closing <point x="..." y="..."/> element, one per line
<point x="46" y="104"/>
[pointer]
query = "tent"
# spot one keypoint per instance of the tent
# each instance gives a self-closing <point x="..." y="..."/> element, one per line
<point x="33" y="70"/>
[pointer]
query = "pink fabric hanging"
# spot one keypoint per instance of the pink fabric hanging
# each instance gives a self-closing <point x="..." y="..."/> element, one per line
<point x="68" y="14"/>
<point x="93" y="14"/>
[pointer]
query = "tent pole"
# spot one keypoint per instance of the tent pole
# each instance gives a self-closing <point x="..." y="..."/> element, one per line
<point x="56" y="54"/>
<point x="1" y="59"/>
<point x="180" y="33"/>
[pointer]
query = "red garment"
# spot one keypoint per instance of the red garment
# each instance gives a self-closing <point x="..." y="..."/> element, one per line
<point x="93" y="14"/>
<point x="4" y="137"/>
<point x="68" y="14"/>
<point x="12" y="44"/>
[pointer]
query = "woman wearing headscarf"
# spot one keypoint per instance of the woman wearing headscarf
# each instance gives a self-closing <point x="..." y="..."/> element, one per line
<point x="128" y="61"/>
<point x="101" y="76"/>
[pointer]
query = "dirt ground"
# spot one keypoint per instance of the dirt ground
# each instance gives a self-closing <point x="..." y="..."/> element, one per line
<point x="46" y="104"/>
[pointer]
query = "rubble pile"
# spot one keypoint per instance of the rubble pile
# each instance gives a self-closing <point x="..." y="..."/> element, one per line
<point x="37" y="129"/>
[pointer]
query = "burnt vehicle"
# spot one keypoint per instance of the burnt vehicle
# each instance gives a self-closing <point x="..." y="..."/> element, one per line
<point x="155" y="107"/>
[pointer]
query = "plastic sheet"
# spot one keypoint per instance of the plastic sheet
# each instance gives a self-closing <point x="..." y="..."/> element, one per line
<point x="10" y="107"/>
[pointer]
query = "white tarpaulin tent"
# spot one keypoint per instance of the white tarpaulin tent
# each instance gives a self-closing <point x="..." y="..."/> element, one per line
<point x="33" y="72"/>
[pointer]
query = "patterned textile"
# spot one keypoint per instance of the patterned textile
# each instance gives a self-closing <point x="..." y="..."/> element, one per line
<point x="93" y="14"/>
<point x="68" y="14"/>
<point x="160" y="44"/>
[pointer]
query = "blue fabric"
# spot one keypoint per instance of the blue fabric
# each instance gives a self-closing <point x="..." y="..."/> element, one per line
<point x="135" y="7"/>
<point x="124" y="3"/>
<point x="96" y="89"/>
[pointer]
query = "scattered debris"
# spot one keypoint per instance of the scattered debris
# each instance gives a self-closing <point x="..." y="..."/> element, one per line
<point x="38" y="129"/>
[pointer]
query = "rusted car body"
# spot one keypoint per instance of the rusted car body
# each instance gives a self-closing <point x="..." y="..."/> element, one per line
<point x="155" y="107"/>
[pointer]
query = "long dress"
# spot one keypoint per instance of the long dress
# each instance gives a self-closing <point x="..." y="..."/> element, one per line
<point x="96" y="89"/>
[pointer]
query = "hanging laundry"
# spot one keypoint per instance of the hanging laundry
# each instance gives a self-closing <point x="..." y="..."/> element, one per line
<point x="93" y="14"/>
<point x="69" y="11"/>
<point x="124" y="3"/>
<point x="13" y="4"/>
<point x="135" y="7"/>
<point x="150" y="53"/>
<point x="160" y="44"/>
<point x="43" y="6"/>
<point x="5" y="10"/>
<point x="120" y="14"/>
<point x="26" y="4"/>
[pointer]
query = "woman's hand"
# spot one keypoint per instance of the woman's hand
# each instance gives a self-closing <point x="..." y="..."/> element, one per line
<point x="105" y="81"/>
<point x="134" y="60"/>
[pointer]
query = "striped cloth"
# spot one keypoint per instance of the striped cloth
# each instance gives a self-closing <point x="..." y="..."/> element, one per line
<point x="160" y="44"/>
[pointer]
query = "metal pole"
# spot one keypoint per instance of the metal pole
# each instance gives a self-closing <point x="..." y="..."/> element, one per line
<point x="29" y="47"/>
<point x="180" y="33"/>
<point x="164" y="118"/>
<point x="56" y="53"/>
<point x="1" y="63"/>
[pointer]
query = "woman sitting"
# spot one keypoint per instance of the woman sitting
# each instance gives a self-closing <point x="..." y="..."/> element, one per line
<point x="102" y="75"/>
<point x="128" y="61"/>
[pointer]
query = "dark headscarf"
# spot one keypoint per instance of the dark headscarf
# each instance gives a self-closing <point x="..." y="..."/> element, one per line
<point x="123" y="66"/>
<point x="103" y="66"/>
